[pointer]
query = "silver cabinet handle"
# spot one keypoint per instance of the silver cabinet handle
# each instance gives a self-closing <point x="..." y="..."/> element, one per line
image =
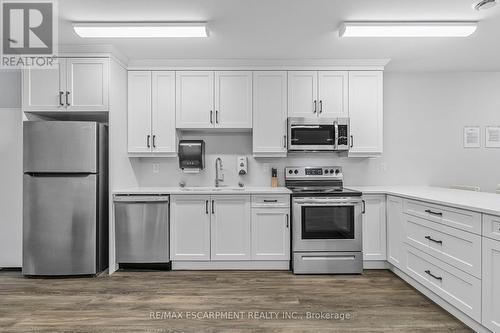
<point x="287" y="221"/>
<point x="352" y="141"/>
<point x="275" y="200"/>
<point x="67" y="98"/>
<point x="364" y="207"/>
<point x="206" y="207"/>
<point x="433" y="213"/>
<point x="213" y="206"/>
<point x="154" y="141"/>
<point x="314" y="106"/>
<point x="61" y="93"/>
<point x="434" y="276"/>
<point x="147" y="141"/>
<point x="320" y="106"/>
<point x="211" y="117"/>
<point x="433" y="240"/>
<point x="216" y="116"/>
<point x="284" y="141"/>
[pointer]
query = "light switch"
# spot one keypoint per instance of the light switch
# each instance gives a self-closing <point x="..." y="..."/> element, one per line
<point x="156" y="167"/>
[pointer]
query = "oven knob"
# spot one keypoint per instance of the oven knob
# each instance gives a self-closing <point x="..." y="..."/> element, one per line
<point x="336" y="171"/>
<point x="326" y="171"/>
<point x="296" y="171"/>
<point x="290" y="171"/>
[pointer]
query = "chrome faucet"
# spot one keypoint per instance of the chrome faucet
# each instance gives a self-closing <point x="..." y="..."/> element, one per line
<point x="219" y="177"/>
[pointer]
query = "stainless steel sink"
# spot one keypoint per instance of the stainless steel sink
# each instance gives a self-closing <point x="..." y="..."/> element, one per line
<point x="211" y="188"/>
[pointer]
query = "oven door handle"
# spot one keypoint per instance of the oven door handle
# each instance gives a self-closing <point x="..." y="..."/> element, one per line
<point x="327" y="201"/>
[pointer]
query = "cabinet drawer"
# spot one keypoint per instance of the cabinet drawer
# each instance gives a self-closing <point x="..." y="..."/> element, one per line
<point x="453" y="217"/>
<point x="271" y="200"/>
<point x="491" y="226"/>
<point x="456" y="247"/>
<point x="454" y="286"/>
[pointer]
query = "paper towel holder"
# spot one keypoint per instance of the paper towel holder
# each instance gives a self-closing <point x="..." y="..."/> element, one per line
<point x="191" y="155"/>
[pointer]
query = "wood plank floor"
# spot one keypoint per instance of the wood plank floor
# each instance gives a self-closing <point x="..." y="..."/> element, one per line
<point x="377" y="301"/>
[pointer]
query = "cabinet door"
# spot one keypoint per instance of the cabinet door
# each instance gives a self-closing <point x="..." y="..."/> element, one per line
<point x="233" y="99"/>
<point x="302" y="93"/>
<point x="87" y="84"/>
<point x="366" y="113"/>
<point x="491" y="284"/>
<point x="190" y="227"/>
<point x="333" y="93"/>
<point x="270" y="234"/>
<point x="164" y="138"/>
<point x="395" y="232"/>
<point x="230" y="227"/>
<point x="269" y="114"/>
<point x="44" y="89"/>
<point x="139" y="111"/>
<point x="195" y="99"/>
<point x="374" y="228"/>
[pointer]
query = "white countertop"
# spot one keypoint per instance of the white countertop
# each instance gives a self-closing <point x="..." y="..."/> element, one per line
<point x="203" y="190"/>
<point x="476" y="201"/>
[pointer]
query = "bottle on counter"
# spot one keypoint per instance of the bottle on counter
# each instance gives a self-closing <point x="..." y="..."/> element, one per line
<point x="274" y="177"/>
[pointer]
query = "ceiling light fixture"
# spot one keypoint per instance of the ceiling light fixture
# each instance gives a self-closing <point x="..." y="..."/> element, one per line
<point x="407" y="29"/>
<point x="140" y="30"/>
<point x="485" y="4"/>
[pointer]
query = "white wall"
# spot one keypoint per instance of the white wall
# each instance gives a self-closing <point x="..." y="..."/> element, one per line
<point x="10" y="170"/>
<point x="424" y="115"/>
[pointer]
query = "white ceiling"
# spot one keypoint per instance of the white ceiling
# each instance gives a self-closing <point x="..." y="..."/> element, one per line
<point x="292" y="29"/>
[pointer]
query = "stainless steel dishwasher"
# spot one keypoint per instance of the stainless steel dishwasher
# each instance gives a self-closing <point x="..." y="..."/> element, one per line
<point x="142" y="229"/>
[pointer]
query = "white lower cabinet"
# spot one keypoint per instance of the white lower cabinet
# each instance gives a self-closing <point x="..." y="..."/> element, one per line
<point x="491" y="284"/>
<point x="270" y="234"/>
<point x="230" y="227"/>
<point x="374" y="228"/>
<point x="395" y="232"/>
<point x="190" y="227"/>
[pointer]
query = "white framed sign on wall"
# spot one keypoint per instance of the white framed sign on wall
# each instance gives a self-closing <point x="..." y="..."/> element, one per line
<point x="492" y="137"/>
<point x="472" y="137"/>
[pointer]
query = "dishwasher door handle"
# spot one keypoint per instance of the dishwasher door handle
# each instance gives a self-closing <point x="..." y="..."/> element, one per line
<point x="141" y="198"/>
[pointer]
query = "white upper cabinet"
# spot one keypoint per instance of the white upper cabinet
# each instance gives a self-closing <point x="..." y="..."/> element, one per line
<point x="270" y="234"/>
<point x="206" y="99"/>
<point x="76" y="84"/>
<point x="230" y="233"/>
<point x="366" y="113"/>
<point x="374" y="228"/>
<point x="139" y="111"/>
<point x="269" y="114"/>
<point x="302" y="93"/>
<point x="151" y="113"/>
<point x="195" y="99"/>
<point x="44" y="89"/>
<point x="164" y="136"/>
<point x="87" y="84"/>
<point x="190" y="227"/>
<point x="333" y="93"/>
<point x="233" y="99"/>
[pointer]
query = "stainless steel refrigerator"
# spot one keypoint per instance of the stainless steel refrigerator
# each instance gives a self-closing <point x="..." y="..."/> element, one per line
<point x="65" y="218"/>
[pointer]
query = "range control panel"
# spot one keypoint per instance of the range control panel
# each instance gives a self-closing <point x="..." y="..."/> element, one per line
<point x="313" y="172"/>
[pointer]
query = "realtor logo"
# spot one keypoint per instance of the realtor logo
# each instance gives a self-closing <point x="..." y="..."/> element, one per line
<point x="28" y="33"/>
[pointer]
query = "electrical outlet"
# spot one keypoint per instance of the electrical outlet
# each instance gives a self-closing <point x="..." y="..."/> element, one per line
<point x="383" y="166"/>
<point x="156" y="167"/>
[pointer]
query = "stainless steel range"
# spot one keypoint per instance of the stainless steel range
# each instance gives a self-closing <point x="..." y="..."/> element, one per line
<point x="326" y="222"/>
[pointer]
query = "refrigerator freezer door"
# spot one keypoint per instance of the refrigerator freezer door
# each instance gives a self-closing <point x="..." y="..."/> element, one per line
<point x="60" y="147"/>
<point x="59" y="236"/>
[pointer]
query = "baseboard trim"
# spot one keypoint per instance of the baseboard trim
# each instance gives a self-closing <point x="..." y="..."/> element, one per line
<point x="243" y="265"/>
<point x="477" y="327"/>
<point x="375" y="264"/>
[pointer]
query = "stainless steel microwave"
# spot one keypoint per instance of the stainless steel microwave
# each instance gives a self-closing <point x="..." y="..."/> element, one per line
<point x="318" y="134"/>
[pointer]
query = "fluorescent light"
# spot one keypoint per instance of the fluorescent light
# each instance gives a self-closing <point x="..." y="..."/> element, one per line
<point x="407" y="29"/>
<point x="140" y="30"/>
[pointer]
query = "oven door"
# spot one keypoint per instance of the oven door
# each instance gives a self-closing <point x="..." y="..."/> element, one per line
<point x="327" y="224"/>
<point x="311" y="137"/>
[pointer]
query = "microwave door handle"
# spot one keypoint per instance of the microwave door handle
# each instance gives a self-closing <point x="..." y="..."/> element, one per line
<point x="304" y="126"/>
<point x="336" y="126"/>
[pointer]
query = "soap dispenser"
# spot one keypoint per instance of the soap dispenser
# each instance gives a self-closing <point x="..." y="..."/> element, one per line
<point x="242" y="165"/>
